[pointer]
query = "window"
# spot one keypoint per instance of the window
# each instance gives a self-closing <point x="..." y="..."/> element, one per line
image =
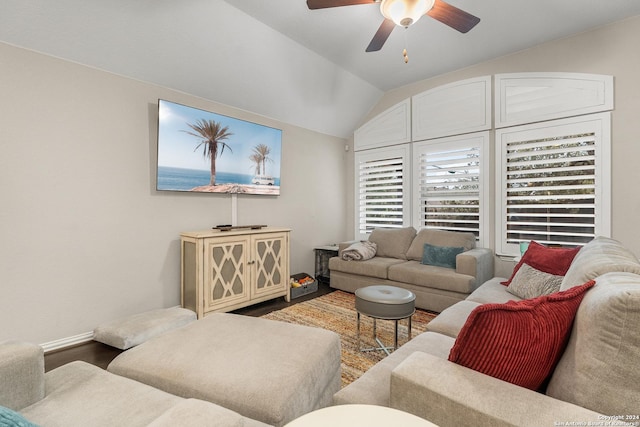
<point x="382" y="189"/>
<point x="449" y="188"/>
<point x="554" y="182"/>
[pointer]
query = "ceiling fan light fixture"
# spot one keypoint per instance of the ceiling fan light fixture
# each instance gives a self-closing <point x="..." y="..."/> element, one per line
<point x="405" y="12"/>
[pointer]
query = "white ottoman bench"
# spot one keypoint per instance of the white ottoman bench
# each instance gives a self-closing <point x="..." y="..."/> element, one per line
<point x="270" y="371"/>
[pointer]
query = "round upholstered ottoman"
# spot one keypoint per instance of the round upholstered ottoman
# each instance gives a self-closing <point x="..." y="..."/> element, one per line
<point x="385" y="302"/>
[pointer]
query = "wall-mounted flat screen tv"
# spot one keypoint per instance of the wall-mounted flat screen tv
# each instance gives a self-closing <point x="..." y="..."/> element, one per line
<point x="205" y="152"/>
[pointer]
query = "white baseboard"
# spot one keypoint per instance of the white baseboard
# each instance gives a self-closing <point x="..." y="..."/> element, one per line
<point x="70" y="341"/>
<point x="67" y="342"/>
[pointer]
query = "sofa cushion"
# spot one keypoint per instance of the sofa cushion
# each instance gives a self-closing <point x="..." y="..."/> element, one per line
<point x="453" y="318"/>
<point x="600" y="256"/>
<point x="529" y="282"/>
<point x="550" y="260"/>
<point x="492" y="292"/>
<point x="439" y="238"/>
<point x="374" y="267"/>
<point x="519" y="342"/>
<point x="392" y="242"/>
<point x="431" y="276"/>
<point x="80" y="394"/>
<point x="133" y="330"/>
<point x="599" y="369"/>
<point x="441" y="256"/>
<point x="194" y="412"/>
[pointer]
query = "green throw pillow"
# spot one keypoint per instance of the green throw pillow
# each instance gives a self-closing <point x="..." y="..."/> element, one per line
<point x="441" y="256"/>
<point x="10" y="418"/>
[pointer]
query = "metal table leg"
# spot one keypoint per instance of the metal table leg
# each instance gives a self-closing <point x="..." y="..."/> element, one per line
<point x="382" y="347"/>
<point x="395" y="335"/>
<point x="358" y="330"/>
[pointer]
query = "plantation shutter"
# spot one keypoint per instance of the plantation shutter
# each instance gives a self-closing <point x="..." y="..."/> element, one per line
<point x="381" y="194"/>
<point x="448" y="184"/>
<point x="553" y="184"/>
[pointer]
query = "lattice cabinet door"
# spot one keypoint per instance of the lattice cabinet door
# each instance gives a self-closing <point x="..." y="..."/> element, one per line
<point x="270" y="264"/>
<point x="227" y="273"/>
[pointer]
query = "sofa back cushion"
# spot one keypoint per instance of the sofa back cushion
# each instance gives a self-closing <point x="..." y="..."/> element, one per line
<point x="599" y="369"/>
<point x="439" y="238"/>
<point x="600" y="256"/>
<point x="392" y="242"/>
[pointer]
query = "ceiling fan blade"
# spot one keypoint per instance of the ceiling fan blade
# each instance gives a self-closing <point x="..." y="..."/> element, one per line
<point x="456" y="18"/>
<point x="323" y="4"/>
<point x="381" y="35"/>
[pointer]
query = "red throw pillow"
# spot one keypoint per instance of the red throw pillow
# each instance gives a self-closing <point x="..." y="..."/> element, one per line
<point x="519" y="342"/>
<point x="550" y="260"/>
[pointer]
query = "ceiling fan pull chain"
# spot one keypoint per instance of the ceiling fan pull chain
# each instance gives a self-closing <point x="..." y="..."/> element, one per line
<point x="406" y="43"/>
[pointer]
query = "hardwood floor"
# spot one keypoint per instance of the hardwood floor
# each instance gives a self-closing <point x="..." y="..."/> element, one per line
<point x="101" y="354"/>
<point x="92" y="352"/>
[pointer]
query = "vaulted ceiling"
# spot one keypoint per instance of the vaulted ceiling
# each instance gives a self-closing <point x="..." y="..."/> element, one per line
<point x="279" y="59"/>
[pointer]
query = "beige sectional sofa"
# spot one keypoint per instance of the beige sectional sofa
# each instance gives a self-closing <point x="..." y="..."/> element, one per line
<point x="398" y="263"/>
<point x="81" y="394"/>
<point x="596" y="379"/>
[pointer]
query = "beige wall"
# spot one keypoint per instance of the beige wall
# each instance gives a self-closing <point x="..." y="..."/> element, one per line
<point x="611" y="50"/>
<point x="84" y="236"/>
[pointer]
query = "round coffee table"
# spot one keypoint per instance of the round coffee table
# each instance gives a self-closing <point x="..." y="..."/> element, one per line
<point x="357" y="415"/>
<point x="388" y="303"/>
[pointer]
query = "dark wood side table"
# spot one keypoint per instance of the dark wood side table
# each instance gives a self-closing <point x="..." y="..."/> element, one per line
<point x="323" y="253"/>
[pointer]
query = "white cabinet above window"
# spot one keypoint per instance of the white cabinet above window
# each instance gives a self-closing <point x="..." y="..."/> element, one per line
<point x="533" y="97"/>
<point x="452" y="109"/>
<point x="391" y="127"/>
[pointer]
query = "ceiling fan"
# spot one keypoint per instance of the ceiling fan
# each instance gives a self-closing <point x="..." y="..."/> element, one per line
<point x="404" y="13"/>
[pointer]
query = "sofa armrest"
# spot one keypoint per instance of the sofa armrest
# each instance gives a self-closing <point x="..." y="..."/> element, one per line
<point x="21" y="373"/>
<point x="476" y="262"/>
<point x="448" y="394"/>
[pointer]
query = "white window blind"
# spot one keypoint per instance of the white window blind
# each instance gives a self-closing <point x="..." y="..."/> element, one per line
<point x="382" y="194"/>
<point x="449" y="176"/>
<point x="554" y="179"/>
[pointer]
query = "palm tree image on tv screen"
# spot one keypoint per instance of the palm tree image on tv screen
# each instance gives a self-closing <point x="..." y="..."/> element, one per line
<point x="201" y="151"/>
